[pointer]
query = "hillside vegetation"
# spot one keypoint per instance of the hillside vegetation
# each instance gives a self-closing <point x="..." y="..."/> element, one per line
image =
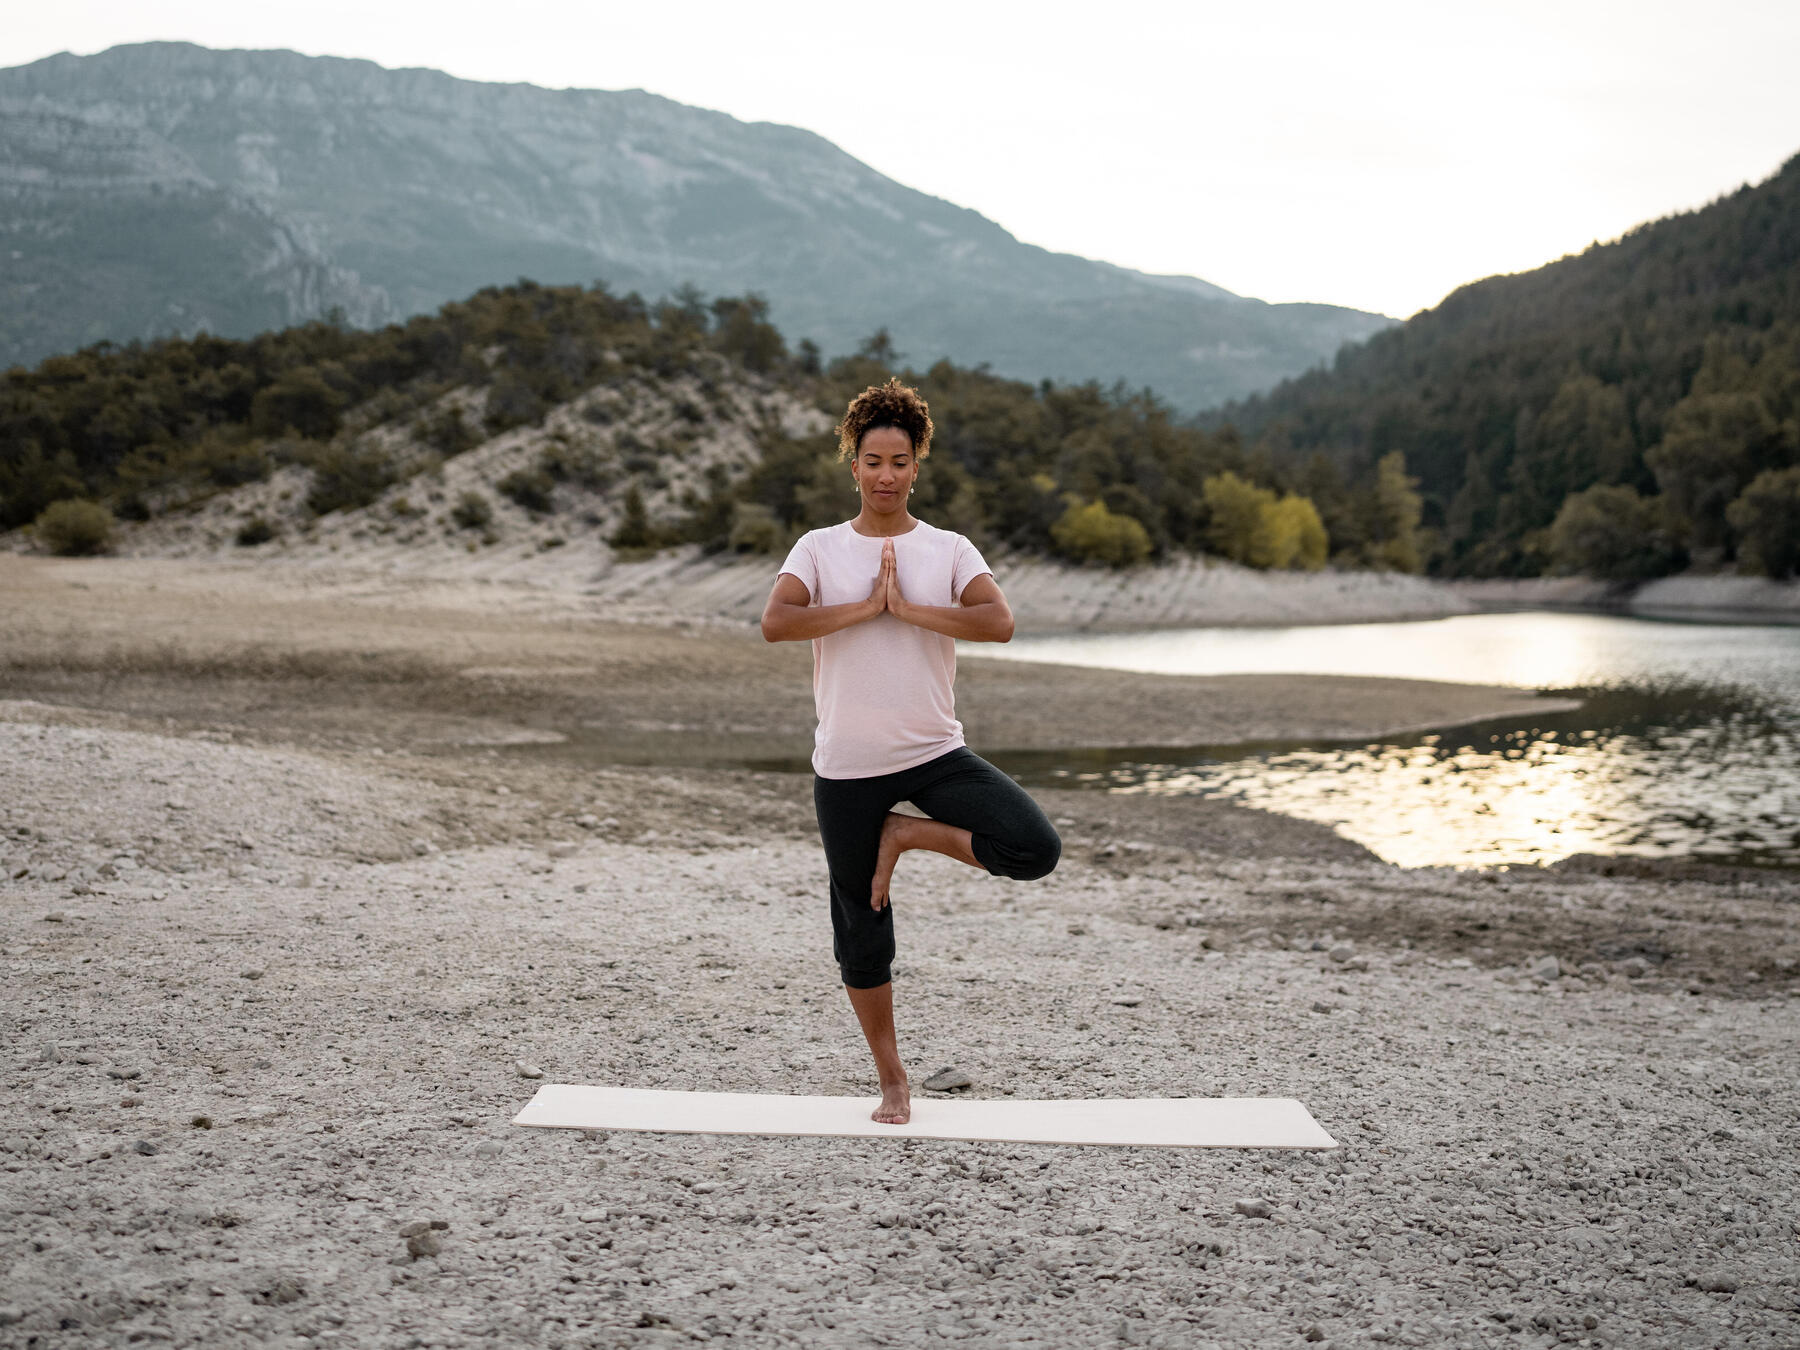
<point x="1621" y="413"/>
<point x="563" y="409"/>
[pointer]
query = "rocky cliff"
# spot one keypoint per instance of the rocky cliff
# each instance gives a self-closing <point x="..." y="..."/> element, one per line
<point x="168" y="188"/>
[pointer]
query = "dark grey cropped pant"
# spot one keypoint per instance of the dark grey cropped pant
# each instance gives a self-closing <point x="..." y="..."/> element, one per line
<point x="1011" y="838"/>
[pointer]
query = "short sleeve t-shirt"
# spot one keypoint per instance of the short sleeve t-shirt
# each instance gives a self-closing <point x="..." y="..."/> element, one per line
<point x="883" y="688"/>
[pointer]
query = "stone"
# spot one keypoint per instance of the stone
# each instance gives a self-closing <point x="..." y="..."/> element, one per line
<point x="1253" y="1208"/>
<point x="11" y="1313"/>
<point x="588" y="822"/>
<point x="947" y="1079"/>
<point x="145" y="1147"/>
<point x="57" y="916"/>
<point x="1320" y="1005"/>
<point x="1127" y="1000"/>
<point x="1635" y="969"/>
<point x="489" y="1148"/>
<point x="121" y="1072"/>
<point x="1545" y="968"/>
<point x="527" y="1070"/>
<point x="1717" y="1282"/>
<point x="424" y="1244"/>
<point x="421" y="846"/>
<point x="1342" y="952"/>
<point x="250" y="974"/>
<point x="562" y="850"/>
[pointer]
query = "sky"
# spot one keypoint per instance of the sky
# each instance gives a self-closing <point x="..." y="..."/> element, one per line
<point x="1375" y="155"/>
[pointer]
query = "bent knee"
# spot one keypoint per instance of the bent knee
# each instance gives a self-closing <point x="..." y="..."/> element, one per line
<point x="1035" y="857"/>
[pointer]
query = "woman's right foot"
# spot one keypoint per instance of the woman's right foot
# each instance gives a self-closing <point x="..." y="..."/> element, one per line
<point x="886" y="856"/>
<point x="896" y="1104"/>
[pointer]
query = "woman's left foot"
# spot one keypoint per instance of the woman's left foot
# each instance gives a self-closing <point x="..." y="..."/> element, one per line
<point x="892" y="830"/>
<point x="896" y="1104"/>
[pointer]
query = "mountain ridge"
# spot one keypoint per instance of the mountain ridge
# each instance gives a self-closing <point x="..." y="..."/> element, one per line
<point x="387" y="192"/>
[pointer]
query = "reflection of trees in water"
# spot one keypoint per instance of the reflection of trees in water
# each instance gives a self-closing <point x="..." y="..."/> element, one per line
<point x="1666" y="768"/>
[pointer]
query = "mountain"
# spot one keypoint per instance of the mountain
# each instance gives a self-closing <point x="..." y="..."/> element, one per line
<point x="166" y="188"/>
<point x="1666" y="362"/>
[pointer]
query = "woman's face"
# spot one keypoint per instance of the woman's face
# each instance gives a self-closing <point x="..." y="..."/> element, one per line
<point x="885" y="469"/>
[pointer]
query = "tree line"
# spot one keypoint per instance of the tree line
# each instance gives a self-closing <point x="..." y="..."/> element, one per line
<point x="1626" y="413"/>
<point x="1097" y="475"/>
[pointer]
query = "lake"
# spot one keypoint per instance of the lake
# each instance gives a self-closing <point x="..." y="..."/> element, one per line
<point x="1691" y="747"/>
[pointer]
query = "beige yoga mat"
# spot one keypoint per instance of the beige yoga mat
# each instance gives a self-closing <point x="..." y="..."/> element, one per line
<point x="1157" y="1122"/>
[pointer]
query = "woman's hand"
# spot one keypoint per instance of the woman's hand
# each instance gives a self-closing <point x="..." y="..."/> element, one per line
<point x="892" y="600"/>
<point x="878" y="593"/>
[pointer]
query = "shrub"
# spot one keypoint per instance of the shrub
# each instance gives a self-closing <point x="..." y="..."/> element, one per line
<point x="582" y="465"/>
<point x="472" y="511"/>
<point x="1766" y="521"/>
<point x="754" y="529"/>
<point x="447" y="432"/>
<point x="1291" y="535"/>
<point x="254" y="531"/>
<point x="634" y="531"/>
<point x="1609" y="531"/>
<point x="300" y="400"/>
<point x="345" y="478"/>
<point x="1091" y="533"/>
<point x="75" y="527"/>
<point x="532" y="489"/>
<point x="512" y="402"/>
<point x="1234" y="511"/>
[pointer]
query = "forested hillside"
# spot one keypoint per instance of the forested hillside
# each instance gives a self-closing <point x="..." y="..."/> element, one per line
<point x="1622" y="413"/>
<point x="651" y="424"/>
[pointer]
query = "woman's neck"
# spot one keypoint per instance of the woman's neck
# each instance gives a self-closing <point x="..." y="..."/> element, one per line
<point x="879" y="526"/>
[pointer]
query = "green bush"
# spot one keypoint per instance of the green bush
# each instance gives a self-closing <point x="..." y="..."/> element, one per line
<point x="1766" y="521"/>
<point x="254" y="531"/>
<point x="754" y="529"/>
<point x="447" y="432"/>
<point x="472" y="511"/>
<point x="532" y="489"/>
<point x="301" y="400"/>
<point x="1234" y="517"/>
<point x="346" y="478"/>
<point x="75" y="527"/>
<point x="1291" y="535"/>
<point x="1611" y="532"/>
<point x="1090" y="533"/>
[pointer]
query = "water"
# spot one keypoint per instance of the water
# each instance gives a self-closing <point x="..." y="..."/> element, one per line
<point x="1691" y="749"/>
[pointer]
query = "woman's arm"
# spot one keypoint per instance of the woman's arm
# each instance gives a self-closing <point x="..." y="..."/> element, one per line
<point x="790" y="615"/>
<point x="984" y="615"/>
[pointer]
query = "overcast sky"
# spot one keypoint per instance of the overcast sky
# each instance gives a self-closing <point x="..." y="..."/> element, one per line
<point x="1375" y="154"/>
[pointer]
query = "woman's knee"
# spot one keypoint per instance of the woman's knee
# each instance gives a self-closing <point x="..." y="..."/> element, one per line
<point x="1033" y="853"/>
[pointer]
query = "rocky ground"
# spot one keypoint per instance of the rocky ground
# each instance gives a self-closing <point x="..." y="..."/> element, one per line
<point x="1564" y="1095"/>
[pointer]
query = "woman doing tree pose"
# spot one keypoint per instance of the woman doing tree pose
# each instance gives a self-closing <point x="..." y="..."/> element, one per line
<point x="883" y="598"/>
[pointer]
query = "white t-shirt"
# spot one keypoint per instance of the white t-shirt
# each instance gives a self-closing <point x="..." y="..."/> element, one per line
<point x="883" y="687"/>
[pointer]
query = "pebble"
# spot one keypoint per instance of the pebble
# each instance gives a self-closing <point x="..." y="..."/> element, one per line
<point x="562" y="850"/>
<point x="57" y="916"/>
<point x="1128" y="1000"/>
<point x="527" y="1070"/>
<point x="489" y="1148"/>
<point x="1253" y="1209"/>
<point x="588" y="822"/>
<point x="145" y="1147"/>
<point x="251" y="974"/>
<point x="1342" y="952"/>
<point x="121" y="1072"/>
<point x="1545" y="968"/>
<point x="1320" y="1005"/>
<point x="424" y="1244"/>
<point x="947" y="1079"/>
<point x="1636" y="968"/>
<point x="1717" y="1282"/>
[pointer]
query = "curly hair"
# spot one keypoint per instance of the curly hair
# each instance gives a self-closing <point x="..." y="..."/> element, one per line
<point x="885" y="405"/>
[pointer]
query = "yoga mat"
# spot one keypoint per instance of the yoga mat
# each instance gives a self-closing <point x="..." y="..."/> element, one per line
<point x="1157" y="1122"/>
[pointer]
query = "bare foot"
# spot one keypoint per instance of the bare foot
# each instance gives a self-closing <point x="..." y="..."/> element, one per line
<point x="896" y="1104"/>
<point x="892" y="831"/>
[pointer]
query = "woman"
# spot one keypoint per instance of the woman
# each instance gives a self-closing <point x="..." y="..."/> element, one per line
<point x="883" y="598"/>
